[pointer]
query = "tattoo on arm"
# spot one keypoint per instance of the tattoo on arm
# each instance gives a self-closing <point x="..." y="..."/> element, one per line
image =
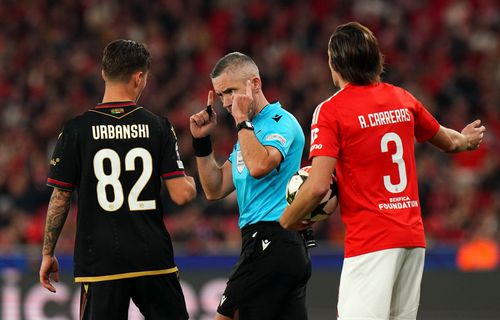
<point x="56" y="216"/>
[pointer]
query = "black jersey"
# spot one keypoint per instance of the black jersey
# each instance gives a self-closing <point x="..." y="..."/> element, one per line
<point x="115" y="157"/>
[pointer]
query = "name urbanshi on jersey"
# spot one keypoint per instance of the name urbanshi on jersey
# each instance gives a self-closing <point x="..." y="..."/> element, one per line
<point x="120" y="131"/>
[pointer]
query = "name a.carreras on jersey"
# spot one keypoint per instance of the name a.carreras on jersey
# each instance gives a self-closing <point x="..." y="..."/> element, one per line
<point x="120" y="131"/>
<point x="384" y="117"/>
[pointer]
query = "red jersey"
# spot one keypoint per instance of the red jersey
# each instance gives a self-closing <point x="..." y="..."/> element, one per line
<point x="370" y="130"/>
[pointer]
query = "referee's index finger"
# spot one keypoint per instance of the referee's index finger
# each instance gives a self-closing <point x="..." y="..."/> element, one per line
<point x="210" y="98"/>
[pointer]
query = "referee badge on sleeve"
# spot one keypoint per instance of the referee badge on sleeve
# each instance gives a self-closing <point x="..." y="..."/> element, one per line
<point x="240" y="164"/>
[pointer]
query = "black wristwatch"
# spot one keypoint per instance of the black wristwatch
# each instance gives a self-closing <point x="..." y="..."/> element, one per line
<point x="244" y="125"/>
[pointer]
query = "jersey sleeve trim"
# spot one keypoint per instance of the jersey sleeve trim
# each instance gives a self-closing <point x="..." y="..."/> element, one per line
<point x="173" y="174"/>
<point x="60" y="184"/>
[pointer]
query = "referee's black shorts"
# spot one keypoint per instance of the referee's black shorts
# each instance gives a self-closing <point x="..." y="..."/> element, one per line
<point x="269" y="280"/>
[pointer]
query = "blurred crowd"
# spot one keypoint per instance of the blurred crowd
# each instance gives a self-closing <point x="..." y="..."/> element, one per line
<point x="445" y="52"/>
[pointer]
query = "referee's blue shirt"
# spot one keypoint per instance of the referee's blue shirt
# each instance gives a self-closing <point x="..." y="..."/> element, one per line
<point x="264" y="199"/>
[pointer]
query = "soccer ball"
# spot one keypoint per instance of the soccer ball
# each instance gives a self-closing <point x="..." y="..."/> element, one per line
<point x="327" y="205"/>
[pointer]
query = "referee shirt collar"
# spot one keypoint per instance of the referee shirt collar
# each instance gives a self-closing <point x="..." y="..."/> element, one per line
<point x="271" y="107"/>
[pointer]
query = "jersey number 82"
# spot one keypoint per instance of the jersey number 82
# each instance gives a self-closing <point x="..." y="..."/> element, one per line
<point x="112" y="179"/>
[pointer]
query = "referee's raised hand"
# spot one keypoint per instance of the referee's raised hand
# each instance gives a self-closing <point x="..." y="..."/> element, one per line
<point x="203" y="122"/>
<point x="243" y="104"/>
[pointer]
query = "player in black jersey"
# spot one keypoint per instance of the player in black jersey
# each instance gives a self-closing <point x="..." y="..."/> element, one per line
<point x="115" y="155"/>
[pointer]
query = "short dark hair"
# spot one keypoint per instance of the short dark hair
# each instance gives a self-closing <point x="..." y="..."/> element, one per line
<point x="230" y="60"/>
<point x="121" y="58"/>
<point x="355" y="54"/>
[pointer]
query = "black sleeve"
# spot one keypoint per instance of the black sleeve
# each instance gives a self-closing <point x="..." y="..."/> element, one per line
<point x="171" y="163"/>
<point x="63" y="170"/>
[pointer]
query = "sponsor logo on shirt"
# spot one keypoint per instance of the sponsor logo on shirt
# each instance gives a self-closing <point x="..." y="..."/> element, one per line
<point x="276" y="137"/>
<point x="179" y="161"/>
<point x="265" y="244"/>
<point x="398" y="203"/>
<point x="314" y="135"/>
<point x="117" y="111"/>
<point x="180" y="164"/>
<point x="223" y="299"/>
<point x="277" y="117"/>
<point x="55" y="161"/>
<point x="318" y="146"/>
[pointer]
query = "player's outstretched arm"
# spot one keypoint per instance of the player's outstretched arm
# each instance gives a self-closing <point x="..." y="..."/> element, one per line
<point x="181" y="190"/>
<point x="56" y="217"/>
<point x="449" y="140"/>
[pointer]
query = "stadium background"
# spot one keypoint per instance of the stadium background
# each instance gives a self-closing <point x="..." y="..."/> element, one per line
<point x="446" y="52"/>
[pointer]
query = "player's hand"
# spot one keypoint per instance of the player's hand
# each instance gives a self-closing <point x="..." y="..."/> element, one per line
<point x="202" y="123"/>
<point x="474" y="133"/>
<point x="48" y="267"/>
<point x="242" y="104"/>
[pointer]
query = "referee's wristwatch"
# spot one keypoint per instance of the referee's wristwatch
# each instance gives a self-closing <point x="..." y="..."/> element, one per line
<point x="244" y="125"/>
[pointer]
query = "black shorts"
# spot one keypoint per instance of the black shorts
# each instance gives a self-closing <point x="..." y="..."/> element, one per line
<point x="269" y="280"/>
<point x="157" y="297"/>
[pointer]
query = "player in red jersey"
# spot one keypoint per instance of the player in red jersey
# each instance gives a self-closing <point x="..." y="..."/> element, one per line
<point x="366" y="132"/>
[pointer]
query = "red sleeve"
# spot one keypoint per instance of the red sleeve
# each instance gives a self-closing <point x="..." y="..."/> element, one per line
<point x="325" y="129"/>
<point x="426" y="126"/>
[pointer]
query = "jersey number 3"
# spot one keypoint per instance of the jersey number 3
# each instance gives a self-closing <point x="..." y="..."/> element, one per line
<point x="113" y="179"/>
<point x="397" y="158"/>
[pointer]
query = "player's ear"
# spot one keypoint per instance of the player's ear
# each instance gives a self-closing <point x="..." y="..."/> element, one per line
<point x="103" y="75"/>
<point x="138" y="77"/>
<point x="256" y="84"/>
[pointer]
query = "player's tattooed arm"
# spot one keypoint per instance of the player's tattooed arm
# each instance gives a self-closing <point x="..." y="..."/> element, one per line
<point x="56" y="217"/>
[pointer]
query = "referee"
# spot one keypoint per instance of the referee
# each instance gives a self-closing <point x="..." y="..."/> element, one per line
<point x="269" y="280"/>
